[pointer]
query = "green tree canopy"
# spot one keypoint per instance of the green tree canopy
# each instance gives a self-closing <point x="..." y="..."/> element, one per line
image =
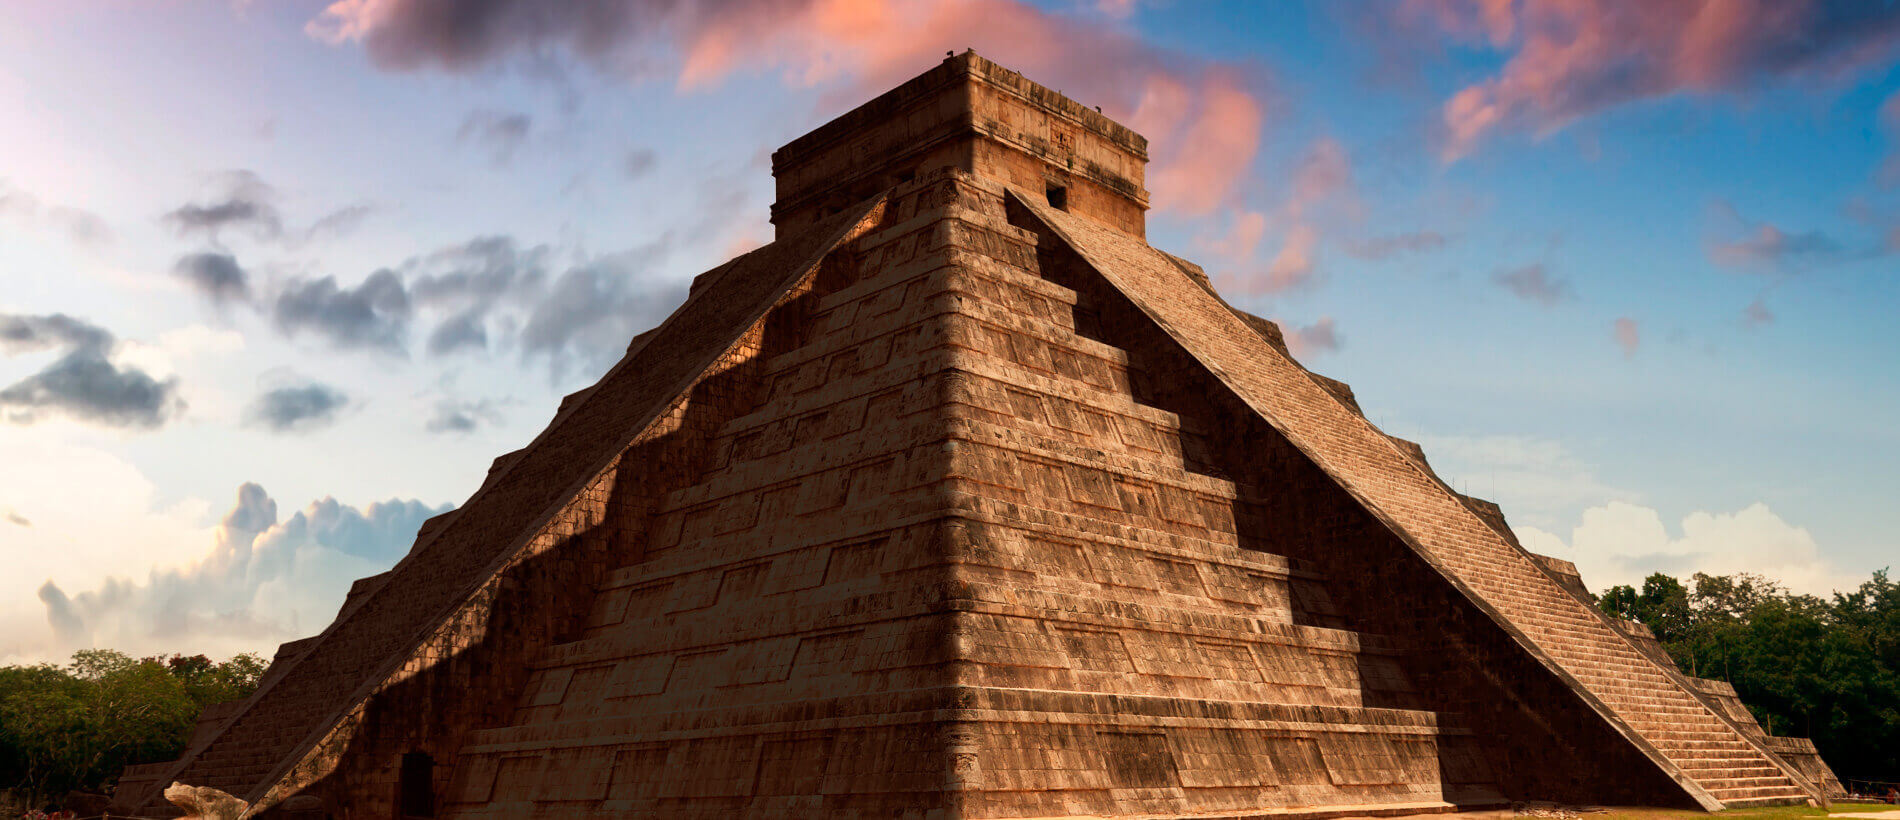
<point x="76" y="726"/>
<point x="1824" y="669"/>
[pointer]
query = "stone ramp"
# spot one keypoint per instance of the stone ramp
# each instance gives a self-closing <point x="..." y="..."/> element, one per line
<point x="288" y="720"/>
<point x="1798" y="752"/>
<point x="1713" y="761"/>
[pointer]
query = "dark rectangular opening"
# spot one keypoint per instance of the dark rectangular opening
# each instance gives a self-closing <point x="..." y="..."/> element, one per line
<point x="1058" y="196"/>
<point x="417" y="792"/>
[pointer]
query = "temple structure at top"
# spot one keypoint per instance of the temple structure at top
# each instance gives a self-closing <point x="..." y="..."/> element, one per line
<point x="957" y="501"/>
<point x="971" y="115"/>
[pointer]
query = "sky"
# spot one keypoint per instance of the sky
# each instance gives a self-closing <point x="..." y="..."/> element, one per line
<point x="279" y="278"/>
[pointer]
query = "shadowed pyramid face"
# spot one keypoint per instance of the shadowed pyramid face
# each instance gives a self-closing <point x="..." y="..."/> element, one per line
<point x="963" y="502"/>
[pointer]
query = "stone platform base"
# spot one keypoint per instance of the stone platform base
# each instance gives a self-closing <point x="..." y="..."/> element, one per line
<point x="1437" y="811"/>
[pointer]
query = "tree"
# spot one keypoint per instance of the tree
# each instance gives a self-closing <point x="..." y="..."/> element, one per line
<point x="1732" y="597"/>
<point x="1619" y="602"/>
<point x="77" y="726"/>
<point x="42" y="716"/>
<point x="1826" y="669"/>
<point x="1662" y="605"/>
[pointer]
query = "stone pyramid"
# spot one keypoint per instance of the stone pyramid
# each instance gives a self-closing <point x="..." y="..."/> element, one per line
<point x="960" y="501"/>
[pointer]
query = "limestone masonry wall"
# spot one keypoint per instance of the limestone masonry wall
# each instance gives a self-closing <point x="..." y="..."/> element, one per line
<point x="1647" y="704"/>
<point x="959" y="501"/>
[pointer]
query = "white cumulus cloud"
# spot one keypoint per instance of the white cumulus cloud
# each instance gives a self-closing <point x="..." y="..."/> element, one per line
<point x="1538" y="481"/>
<point x="1622" y="543"/>
<point x="255" y="581"/>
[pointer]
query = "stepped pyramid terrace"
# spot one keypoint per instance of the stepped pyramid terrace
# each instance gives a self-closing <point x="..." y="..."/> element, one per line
<point x="959" y="500"/>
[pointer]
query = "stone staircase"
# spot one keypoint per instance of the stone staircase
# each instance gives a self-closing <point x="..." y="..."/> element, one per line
<point x="1037" y="390"/>
<point x="1707" y="749"/>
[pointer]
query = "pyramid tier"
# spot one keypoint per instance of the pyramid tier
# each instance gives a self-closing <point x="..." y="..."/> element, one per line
<point x="961" y="506"/>
<point x="1322" y="436"/>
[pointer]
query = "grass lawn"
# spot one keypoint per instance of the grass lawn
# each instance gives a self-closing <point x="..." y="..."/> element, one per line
<point x="1765" y="813"/>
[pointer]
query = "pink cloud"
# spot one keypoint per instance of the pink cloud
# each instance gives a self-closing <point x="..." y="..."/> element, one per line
<point x="1740" y="243"/>
<point x="1201" y="158"/>
<point x="1625" y="333"/>
<point x="1118" y="9"/>
<point x="408" y="35"/>
<point x="1757" y="314"/>
<point x="1323" y="175"/>
<point x="1491" y="20"/>
<point x="1890" y="122"/>
<point x="1883" y="223"/>
<point x="1770" y="245"/>
<point x="1320" y="192"/>
<point x="1292" y="267"/>
<point x="1572" y="58"/>
<point x="1242" y="238"/>
<point x="1319" y="337"/>
<point x="1204" y="120"/>
<point x="1386" y="247"/>
<point x="1533" y="283"/>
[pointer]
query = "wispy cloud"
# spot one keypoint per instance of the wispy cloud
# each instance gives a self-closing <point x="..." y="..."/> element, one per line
<point x="1321" y="191"/>
<point x="1538" y="481"/>
<point x="587" y="314"/>
<point x="484" y="295"/>
<point x="245" y="202"/>
<point x="469" y="281"/>
<point x="1761" y="246"/>
<point x="372" y="315"/>
<point x="1627" y="335"/>
<point x="1533" y="283"/>
<point x="1205" y="118"/>
<point x="501" y="133"/>
<point x="81" y="226"/>
<point x="1385" y="247"/>
<point x="296" y="408"/>
<point x="1292" y="267"/>
<point x="1622" y="543"/>
<point x="1771" y="246"/>
<point x="463" y="416"/>
<point x="1568" y="59"/>
<point x="260" y="579"/>
<point x="1889" y="117"/>
<point x="1321" y="336"/>
<point x="215" y="276"/>
<point x="638" y="162"/>
<point x="1757" y="314"/>
<point x="83" y="382"/>
<point x="338" y="223"/>
<point x="1322" y="178"/>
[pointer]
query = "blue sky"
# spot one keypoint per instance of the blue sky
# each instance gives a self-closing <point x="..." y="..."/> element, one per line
<point x="278" y="279"/>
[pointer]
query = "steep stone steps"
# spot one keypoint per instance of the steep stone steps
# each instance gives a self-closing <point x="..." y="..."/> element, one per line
<point x="1566" y="631"/>
<point x="1610" y="668"/>
<point x="1721" y="761"/>
<point x="1797" y="797"/>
